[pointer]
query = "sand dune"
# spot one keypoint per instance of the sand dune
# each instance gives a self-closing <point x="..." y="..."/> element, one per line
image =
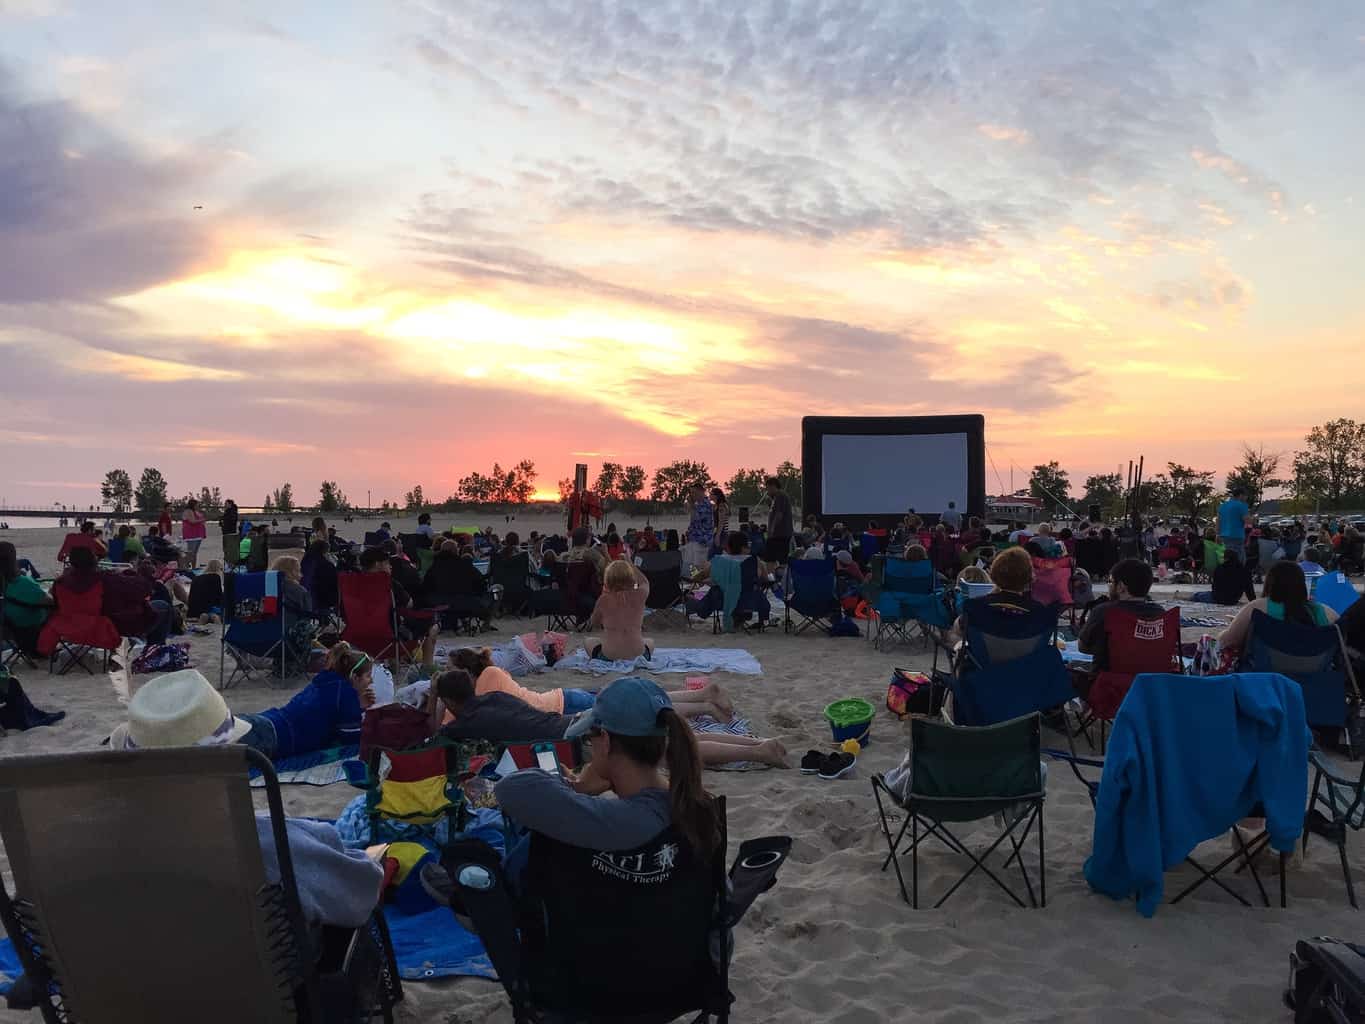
<point x="833" y="941"/>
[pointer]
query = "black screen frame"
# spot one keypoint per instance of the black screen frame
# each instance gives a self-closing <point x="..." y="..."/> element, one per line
<point x="815" y="428"/>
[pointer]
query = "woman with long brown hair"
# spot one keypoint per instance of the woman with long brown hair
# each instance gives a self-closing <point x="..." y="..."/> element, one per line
<point x="635" y="733"/>
<point x="1284" y="597"/>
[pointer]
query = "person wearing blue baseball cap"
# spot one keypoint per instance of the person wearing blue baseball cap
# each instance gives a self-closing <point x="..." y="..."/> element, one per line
<point x="634" y="733"/>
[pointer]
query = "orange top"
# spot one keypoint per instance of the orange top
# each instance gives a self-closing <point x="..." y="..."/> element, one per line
<point x="493" y="680"/>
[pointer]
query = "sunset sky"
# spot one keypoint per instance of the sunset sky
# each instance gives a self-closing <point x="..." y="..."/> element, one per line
<point x="391" y="242"/>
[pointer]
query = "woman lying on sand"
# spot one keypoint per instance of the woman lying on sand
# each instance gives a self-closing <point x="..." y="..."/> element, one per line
<point x="498" y="716"/>
<point x="488" y="678"/>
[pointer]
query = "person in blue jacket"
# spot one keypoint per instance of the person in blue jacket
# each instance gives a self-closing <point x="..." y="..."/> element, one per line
<point x="326" y="713"/>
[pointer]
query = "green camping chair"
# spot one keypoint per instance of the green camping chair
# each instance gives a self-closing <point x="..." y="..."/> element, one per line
<point x="961" y="774"/>
<point x="1213" y="556"/>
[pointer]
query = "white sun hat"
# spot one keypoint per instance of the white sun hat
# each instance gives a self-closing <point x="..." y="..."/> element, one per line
<point x="180" y="709"/>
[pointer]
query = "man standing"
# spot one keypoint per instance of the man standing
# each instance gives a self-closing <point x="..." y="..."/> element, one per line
<point x="952" y="518"/>
<point x="1233" y="519"/>
<point x="778" y="545"/>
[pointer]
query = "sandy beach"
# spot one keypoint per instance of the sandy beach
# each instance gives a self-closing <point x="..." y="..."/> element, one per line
<point x="833" y="941"/>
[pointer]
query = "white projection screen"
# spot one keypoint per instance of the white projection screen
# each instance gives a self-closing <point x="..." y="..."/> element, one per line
<point x="863" y="475"/>
<point x="857" y="468"/>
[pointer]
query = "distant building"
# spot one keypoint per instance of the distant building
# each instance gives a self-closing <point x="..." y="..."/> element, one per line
<point x="1020" y="506"/>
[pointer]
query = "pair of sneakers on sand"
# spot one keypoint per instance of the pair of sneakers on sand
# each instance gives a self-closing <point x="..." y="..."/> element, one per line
<point x="827" y="766"/>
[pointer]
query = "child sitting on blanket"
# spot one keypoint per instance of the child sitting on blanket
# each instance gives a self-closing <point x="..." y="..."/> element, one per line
<point x="488" y="678"/>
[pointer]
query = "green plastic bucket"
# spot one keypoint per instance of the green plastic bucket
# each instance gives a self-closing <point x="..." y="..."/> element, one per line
<point x="851" y="719"/>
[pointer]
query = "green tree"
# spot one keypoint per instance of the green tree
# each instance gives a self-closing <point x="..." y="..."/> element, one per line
<point x="283" y="498"/>
<point x="476" y="488"/>
<point x="1191" y="490"/>
<point x="210" y="500"/>
<point x="1104" y="490"/>
<point x="117" y="490"/>
<point x="565" y="489"/>
<point x="608" y="483"/>
<point x="1051" y="483"/>
<point x="1332" y="465"/>
<point x="746" y="486"/>
<point x="150" y="494"/>
<point x="632" y="483"/>
<point x="671" y="482"/>
<point x="330" y="498"/>
<point x="1255" y="473"/>
<point x="415" y="500"/>
<point x="521" y="483"/>
<point x="268" y="506"/>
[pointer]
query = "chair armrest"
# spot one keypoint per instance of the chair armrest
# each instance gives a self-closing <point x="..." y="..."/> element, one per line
<point x="754" y="872"/>
<point x="1320" y="762"/>
<point x="471" y="882"/>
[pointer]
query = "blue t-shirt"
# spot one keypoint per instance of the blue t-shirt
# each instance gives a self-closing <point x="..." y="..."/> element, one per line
<point x="325" y="713"/>
<point x="1232" y="518"/>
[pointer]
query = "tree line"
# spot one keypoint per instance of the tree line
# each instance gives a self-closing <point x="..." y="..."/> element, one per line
<point x="1328" y="472"/>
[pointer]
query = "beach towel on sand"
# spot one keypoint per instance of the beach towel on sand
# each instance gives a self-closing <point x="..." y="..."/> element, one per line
<point x="315" y="768"/>
<point x="669" y="659"/>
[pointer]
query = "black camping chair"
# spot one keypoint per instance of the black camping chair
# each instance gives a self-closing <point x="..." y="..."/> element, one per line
<point x="513" y="576"/>
<point x="962" y="774"/>
<point x="1326" y="981"/>
<point x="87" y="833"/>
<point x="641" y="935"/>
<point x="1337" y="803"/>
<point x="663" y="569"/>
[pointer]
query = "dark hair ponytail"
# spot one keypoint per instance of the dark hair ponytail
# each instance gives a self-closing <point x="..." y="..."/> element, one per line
<point x="694" y="809"/>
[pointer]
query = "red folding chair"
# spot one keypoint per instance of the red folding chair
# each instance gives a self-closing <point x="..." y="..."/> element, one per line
<point x="1135" y="645"/>
<point x="367" y="608"/>
<point x="76" y="540"/>
<point x="77" y="627"/>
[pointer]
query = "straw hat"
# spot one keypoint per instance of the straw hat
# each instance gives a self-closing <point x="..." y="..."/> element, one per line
<point x="181" y="709"/>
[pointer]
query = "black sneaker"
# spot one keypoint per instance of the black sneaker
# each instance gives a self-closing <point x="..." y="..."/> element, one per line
<point x="813" y="762"/>
<point x="836" y="766"/>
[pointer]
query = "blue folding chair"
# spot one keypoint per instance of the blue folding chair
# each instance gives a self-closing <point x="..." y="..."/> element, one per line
<point x="811" y="595"/>
<point x="909" y="599"/>
<point x="1009" y="666"/>
<point x="254" y="625"/>
<point x="868" y="545"/>
<point x="1312" y="656"/>
<point x="1336" y="592"/>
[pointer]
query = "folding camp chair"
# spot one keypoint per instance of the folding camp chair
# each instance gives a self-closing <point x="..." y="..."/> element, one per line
<point x="740" y="577"/>
<point x="1336" y="592"/>
<point x="1336" y="803"/>
<point x="663" y="569"/>
<point x="417" y="788"/>
<point x="10" y="651"/>
<point x="963" y="774"/>
<point x="142" y="895"/>
<point x="372" y="539"/>
<point x="1314" y="657"/>
<point x="1052" y="583"/>
<point x="577" y="596"/>
<point x="908" y="600"/>
<point x="1009" y="665"/>
<point x="254" y="626"/>
<point x="1197" y="768"/>
<point x="641" y="935"/>
<point x="412" y="544"/>
<point x="1135" y="645"/>
<point x="513" y="576"/>
<point x="76" y="628"/>
<point x="811" y="595"/>
<point x="1090" y="556"/>
<point x="370" y="615"/>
